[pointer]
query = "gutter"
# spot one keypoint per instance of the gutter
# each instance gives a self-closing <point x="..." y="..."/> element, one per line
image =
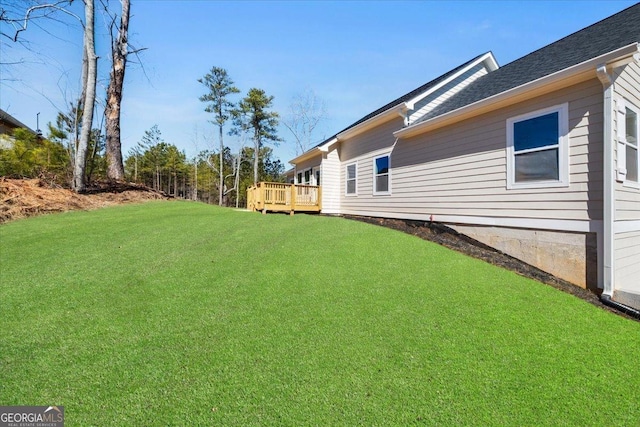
<point x="616" y="57"/>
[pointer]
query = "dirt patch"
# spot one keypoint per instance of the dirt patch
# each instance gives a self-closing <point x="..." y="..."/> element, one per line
<point x="21" y="198"/>
<point x="439" y="233"/>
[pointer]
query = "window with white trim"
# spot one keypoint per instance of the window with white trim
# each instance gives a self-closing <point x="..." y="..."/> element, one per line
<point x="537" y="149"/>
<point x="628" y="129"/>
<point x="299" y="178"/>
<point x="381" y="175"/>
<point x="351" y="176"/>
<point x="307" y="177"/>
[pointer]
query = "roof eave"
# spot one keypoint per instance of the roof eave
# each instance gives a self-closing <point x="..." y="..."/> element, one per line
<point x="513" y="95"/>
<point x="393" y="112"/>
<point x="323" y="148"/>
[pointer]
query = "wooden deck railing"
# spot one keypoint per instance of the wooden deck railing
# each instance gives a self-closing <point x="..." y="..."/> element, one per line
<point x="280" y="197"/>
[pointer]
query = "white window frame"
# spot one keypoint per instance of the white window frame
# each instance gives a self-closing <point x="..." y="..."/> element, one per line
<point x="346" y="179"/>
<point x="375" y="175"/>
<point x="563" y="148"/>
<point x="624" y="105"/>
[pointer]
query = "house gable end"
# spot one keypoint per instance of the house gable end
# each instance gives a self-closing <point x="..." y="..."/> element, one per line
<point x="430" y="99"/>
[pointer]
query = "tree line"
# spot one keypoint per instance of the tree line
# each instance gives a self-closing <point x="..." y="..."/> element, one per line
<point x="153" y="162"/>
<point x="82" y="146"/>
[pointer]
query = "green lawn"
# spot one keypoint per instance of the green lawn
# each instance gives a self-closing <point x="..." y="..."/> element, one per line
<point x="188" y="314"/>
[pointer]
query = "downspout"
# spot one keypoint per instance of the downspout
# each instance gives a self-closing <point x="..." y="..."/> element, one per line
<point x="608" y="208"/>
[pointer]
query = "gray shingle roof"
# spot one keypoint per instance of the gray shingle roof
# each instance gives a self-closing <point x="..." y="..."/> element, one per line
<point x="619" y="30"/>
<point x="406" y="97"/>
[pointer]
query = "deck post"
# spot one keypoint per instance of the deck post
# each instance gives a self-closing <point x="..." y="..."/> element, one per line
<point x="293" y="197"/>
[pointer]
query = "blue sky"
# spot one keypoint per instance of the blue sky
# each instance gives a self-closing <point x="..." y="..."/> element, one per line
<point x="356" y="56"/>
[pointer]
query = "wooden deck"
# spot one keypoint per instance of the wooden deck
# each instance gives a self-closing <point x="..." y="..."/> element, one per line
<point x="280" y="197"/>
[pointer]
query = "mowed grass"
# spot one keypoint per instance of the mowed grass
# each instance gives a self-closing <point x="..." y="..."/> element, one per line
<point x="187" y="314"/>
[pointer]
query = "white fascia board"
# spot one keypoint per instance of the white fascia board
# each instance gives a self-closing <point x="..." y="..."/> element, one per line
<point x="393" y="112"/>
<point x="315" y="151"/>
<point x="497" y="100"/>
<point x="305" y="156"/>
<point x="490" y="63"/>
<point x="325" y="147"/>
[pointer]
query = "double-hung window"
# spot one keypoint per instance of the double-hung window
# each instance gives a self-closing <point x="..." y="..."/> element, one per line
<point x="628" y="129"/>
<point x="381" y="175"/>
<point x="351" y="176"/>
<point x="537" y="149"/>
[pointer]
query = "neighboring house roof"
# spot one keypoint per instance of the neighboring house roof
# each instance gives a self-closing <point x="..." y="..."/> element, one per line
<point x="8" y="121"/>
<point x="616" y="31"/>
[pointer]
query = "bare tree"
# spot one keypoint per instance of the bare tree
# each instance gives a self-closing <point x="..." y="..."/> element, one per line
<point x="89" y="71"/>
<point x="89" y="79"/>
<point x="306" y="112"/>
<point x="32" y="13"/>
<point x="119" y="52"/>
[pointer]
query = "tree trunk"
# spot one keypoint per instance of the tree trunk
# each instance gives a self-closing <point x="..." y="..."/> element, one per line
<point x="236" y="182"/>
<point x="89" y="90"/>
<point x="221" y="187"/>
<point x="256" y="158"/>
<point x="195" y="183"/>
<point x="115" y="167"/>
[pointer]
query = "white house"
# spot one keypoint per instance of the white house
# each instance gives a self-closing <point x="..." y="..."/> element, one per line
<point x="538" y="158"/>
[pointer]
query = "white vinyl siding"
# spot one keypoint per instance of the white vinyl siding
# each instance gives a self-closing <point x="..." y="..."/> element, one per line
<point x="627" y="192"/>
<point x="330" y="182"/>
<point x="627" y="261"/>
<point x="460" y="170"/>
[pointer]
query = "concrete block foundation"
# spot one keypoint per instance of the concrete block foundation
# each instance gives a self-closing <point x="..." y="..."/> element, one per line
<point x="569" y="256"/>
